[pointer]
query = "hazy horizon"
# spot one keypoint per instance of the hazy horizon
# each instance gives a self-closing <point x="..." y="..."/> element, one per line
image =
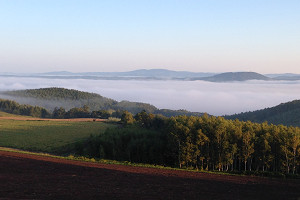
<point x="137" y="69"/>
<point x="118" y="36"/>
<point x="197" y="96"/>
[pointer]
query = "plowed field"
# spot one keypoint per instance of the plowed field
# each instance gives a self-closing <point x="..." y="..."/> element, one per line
<point x="24" y="176"/>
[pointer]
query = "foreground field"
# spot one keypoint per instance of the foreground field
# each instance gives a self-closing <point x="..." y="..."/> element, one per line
<point x="24" y="176"/>
<point x="54" y="136"/>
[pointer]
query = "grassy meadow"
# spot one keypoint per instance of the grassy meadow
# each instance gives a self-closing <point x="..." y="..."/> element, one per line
<point x="47" y="136"/>
<point x="4" y="114"/>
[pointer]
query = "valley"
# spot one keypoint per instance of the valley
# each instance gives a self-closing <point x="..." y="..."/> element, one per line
<point x="78" y="129"/>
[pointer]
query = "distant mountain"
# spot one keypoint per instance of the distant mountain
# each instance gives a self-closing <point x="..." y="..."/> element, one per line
<point x="281" y="75"/>
<point x="235" y="76"/>
<point x="59" y="73"/>
<point x="50" y="98"/>
<point x="286" y="113"/>
<point x="166" y="73"/>
<point x="158" y="73"/>
<point x="287" y="78"/>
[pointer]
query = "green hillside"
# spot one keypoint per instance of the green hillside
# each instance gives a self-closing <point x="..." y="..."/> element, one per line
<point x="51" y="98"/>
<point x="47" y="136"/>
<point x="286" y="113"/>
<point x="55" y="93"/>
<point x="5" y="114"/>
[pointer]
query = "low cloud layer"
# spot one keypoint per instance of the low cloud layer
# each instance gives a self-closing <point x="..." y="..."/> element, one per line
<point x="198" y="96"/>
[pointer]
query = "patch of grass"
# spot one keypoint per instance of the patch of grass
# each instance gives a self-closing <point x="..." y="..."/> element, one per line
<point x="47" y="136"/>
<point x="5" y="114"/>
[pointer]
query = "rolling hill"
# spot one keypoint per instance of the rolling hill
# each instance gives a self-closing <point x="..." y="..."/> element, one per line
<point x="286" y="113"/>
<point x="51" y="98"/>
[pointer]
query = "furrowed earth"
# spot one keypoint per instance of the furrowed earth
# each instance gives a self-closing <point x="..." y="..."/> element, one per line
<point x="25" y="176"/>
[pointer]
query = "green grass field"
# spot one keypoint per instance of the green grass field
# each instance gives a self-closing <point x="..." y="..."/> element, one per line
<point x="47" y="136"/>
<point x="4" y="114"/>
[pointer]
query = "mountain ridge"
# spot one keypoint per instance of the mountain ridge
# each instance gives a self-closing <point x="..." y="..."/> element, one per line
<point x="139" y="73"/>
<point x="160" y="74"/>
<point x="236" y="76"/>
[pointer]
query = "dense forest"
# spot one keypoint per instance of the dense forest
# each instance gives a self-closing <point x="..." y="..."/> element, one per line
<point x="286" y="113"/>
<point x="205" y="143"/>
<point x="51" y="98"/>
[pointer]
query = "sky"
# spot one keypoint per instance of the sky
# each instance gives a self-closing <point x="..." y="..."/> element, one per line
<point x="122" y="35"/>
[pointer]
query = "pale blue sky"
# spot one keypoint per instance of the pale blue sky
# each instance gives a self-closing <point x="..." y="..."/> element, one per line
<point x="111" y="35"/>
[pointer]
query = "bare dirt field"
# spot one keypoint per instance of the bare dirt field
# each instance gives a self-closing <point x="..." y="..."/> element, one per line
<point x="24" y="176"/>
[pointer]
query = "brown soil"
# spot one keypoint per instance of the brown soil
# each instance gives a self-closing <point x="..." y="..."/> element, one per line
<point x="24" y="176"/>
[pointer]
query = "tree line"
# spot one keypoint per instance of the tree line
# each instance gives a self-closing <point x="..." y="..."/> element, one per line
<point x="78" y="112"/>
<point x="84" y="112"/>
<point x="58" y="113"/>
<point x="204" y="143"/>
<point x="21" y="109"/>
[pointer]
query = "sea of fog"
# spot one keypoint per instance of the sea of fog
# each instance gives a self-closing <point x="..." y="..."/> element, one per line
<point x="198" y="96"/>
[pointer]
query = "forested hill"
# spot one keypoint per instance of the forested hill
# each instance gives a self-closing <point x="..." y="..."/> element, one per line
<point x="286" y="113"/>
<point x="55" y="93"/>
<point x="51" y="98"/>
<point x="236" y="76"/>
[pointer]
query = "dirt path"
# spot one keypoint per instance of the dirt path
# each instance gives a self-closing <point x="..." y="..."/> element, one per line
<point x="45" y="119"/>
<point x="24" y="176"/>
